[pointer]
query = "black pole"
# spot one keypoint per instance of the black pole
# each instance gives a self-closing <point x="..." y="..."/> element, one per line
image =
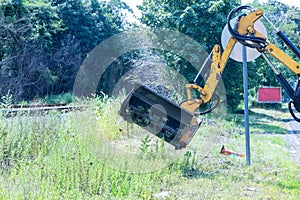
<point x="246" y="109"/>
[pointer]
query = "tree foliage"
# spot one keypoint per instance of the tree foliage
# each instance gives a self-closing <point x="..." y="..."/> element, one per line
<point x="201" y="20"/>
<point x="43" y="42"/>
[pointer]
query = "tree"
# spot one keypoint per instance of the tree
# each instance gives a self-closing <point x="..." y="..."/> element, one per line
<point x="87" y="24"/>
<point x="43" y="42"/>
<point x="92" y="21"/>
<point x="27" y="30"/>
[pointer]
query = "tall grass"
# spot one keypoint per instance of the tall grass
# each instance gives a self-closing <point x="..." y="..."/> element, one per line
<point x="85" y="155"/>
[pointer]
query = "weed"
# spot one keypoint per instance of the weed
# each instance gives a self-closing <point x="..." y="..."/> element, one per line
<point x="145" y="144"/>
<point x="46" y="157"/>
<point x="6" y="100"/>
<point x="58" y="99"/>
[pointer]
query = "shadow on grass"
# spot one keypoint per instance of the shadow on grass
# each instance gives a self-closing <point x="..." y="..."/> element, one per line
<point x="261" y="123"/>
<point x="260" y="116"/>
<point x="268" y="129"/>
<point x="288" y="184"/>
<point x="209" y="171"/>
<point x="192" y="173"/>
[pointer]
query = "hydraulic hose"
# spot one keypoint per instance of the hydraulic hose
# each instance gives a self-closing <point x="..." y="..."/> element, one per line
<point x="256" y="42"/>
<point x="296" y="102"/>
<point x="212" y="106"/>
<point x="292" y="112"/>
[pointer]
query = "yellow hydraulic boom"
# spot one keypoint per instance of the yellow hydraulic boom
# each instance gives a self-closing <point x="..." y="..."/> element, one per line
<point x="245" y="27"/>
<point x="180" y="122"/>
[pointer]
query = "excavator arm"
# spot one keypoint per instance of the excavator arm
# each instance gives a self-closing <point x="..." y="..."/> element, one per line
<point x="177" y="124"/>
<point x="218" y="64"/>
<point x="245" y="33"/>
<point x="219" y="61"/>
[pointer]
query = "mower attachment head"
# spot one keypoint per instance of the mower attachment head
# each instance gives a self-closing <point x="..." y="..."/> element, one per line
<point x="159" y="116"/>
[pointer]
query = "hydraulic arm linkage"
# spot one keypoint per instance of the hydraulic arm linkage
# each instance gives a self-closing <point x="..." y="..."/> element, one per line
<point x="177" y="124"/>
<point x="245" y="33"/>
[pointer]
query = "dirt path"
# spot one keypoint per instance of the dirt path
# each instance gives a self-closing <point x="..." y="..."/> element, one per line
<point x="292" y="139"/>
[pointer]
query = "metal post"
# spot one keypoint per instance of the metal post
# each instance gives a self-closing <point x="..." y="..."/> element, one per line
<point x="246" y="109"/>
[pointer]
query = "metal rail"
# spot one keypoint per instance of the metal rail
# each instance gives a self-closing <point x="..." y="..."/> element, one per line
<point x="33" y="109"/>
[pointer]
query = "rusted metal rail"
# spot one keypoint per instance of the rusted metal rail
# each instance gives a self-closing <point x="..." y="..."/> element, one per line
<point x="33" y="109"/>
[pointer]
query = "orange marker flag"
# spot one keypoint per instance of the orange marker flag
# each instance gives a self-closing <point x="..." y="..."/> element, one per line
<point x="228" y="152"/>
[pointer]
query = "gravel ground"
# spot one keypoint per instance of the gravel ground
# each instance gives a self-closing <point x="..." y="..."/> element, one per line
<point x="292" y="140"/>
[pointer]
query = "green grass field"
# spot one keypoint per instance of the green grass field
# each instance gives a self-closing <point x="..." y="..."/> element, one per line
<point x="92" y="155"/>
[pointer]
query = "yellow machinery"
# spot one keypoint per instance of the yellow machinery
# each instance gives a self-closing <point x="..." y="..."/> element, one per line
<point x="177" y="124"/>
